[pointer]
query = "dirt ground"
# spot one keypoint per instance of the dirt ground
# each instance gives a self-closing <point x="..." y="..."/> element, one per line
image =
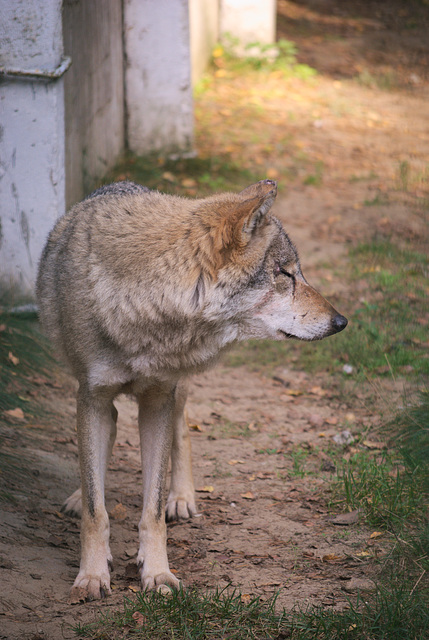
<point x="263" y="523"/>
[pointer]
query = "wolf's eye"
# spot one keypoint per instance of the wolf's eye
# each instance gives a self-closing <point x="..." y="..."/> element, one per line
<point x="281" y="270"/>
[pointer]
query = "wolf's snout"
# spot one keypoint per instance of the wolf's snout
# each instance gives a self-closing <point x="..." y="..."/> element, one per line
<point x="339" y="322"/>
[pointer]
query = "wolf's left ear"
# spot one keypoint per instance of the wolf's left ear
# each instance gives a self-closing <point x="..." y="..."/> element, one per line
<point x="258" y="200"/>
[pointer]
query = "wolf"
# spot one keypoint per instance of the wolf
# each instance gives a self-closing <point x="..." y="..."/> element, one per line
<point x="139" y="290"/>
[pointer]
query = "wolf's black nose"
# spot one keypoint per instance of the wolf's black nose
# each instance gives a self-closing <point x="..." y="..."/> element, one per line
<point x="339" y="322"/>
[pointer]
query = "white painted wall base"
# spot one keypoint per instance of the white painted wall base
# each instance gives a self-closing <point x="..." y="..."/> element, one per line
<point x="249" y="21"/>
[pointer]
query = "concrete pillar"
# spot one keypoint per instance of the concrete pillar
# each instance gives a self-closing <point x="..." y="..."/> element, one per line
<point x="204" y="28"/>
<point x="94" y="92"/>
<point x="249" y="21"/>
<point x="158" y="76"/>
<point x="32" y="184"/>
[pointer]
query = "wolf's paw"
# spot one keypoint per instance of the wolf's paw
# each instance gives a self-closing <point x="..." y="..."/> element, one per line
<point x="73" y="505"/>
<point x="162" y="582"/>
<point x="87" y="587"/>
<point x="180" y="507"/>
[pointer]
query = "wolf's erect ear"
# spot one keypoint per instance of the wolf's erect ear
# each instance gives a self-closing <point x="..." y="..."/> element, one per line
<point x="257" y="201"/>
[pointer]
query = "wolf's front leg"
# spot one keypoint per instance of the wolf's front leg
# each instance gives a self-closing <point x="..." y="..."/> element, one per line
<point x="181" y="497"/>
<point x="156" y="413"/>
<point x="73" y="505"/>
<point x="94" y="426"/>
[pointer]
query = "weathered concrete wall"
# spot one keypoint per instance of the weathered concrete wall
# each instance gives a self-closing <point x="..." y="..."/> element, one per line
<point x="31" y="137"/>
<point x="94" y="92"/>
<point x="158" y="76"/>
<point x="30" y="33"/>
<point x="249" y="20"/>
<point x="204" y="29"/>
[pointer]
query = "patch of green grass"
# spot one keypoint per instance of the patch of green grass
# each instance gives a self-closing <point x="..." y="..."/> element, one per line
<point x="299" y="458"/>
<point x="386" y="333"/>
<point x="388" y="614"/>
<point x="183" y="176"/>
<point x="413" y="439"/>
<point x="189" y="615"/>
<point x="256" y="56"/>
<point x="393" y="488"/>
<point x="393" y="494"/>
<point x="24" y="354"/>
<point x="25" y="357"/>
<point x="387" y="491"/>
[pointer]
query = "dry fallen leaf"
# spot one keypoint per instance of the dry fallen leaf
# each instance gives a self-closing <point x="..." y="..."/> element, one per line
<point x="119" y="512"/>
<point x="170" y="177"/>
<point x="245" y="598"/>
<point x="15" y="413"/>
<point x="233" y="462"/>
<point x="195" y="427"/>
<point x="318" y="391"/>
<point x="139" y="618"/>
<point x="374" y="445"/>
<point x="331" y="557"/>
<point x="189" y="183"/>
<point x="217" y="52"/>
<point x="205" y="489"/>
<point x="13" y="359"/>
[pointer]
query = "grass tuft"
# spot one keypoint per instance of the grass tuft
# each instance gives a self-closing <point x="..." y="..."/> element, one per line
<point x="389" y="614"/>
<point x="190" y="614"/>
<point x="392" y="489"/>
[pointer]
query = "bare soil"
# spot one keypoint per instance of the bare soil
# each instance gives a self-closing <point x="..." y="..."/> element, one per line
<point x="264" y="523"/>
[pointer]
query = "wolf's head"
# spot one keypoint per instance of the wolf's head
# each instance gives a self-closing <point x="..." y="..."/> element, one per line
<point x="255" y="269"/>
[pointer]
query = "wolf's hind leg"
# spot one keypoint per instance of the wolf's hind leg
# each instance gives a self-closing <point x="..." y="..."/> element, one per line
<point x="181" y="497"/>
<point x="73" y="505"/>
<point x="95" y="424"/>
